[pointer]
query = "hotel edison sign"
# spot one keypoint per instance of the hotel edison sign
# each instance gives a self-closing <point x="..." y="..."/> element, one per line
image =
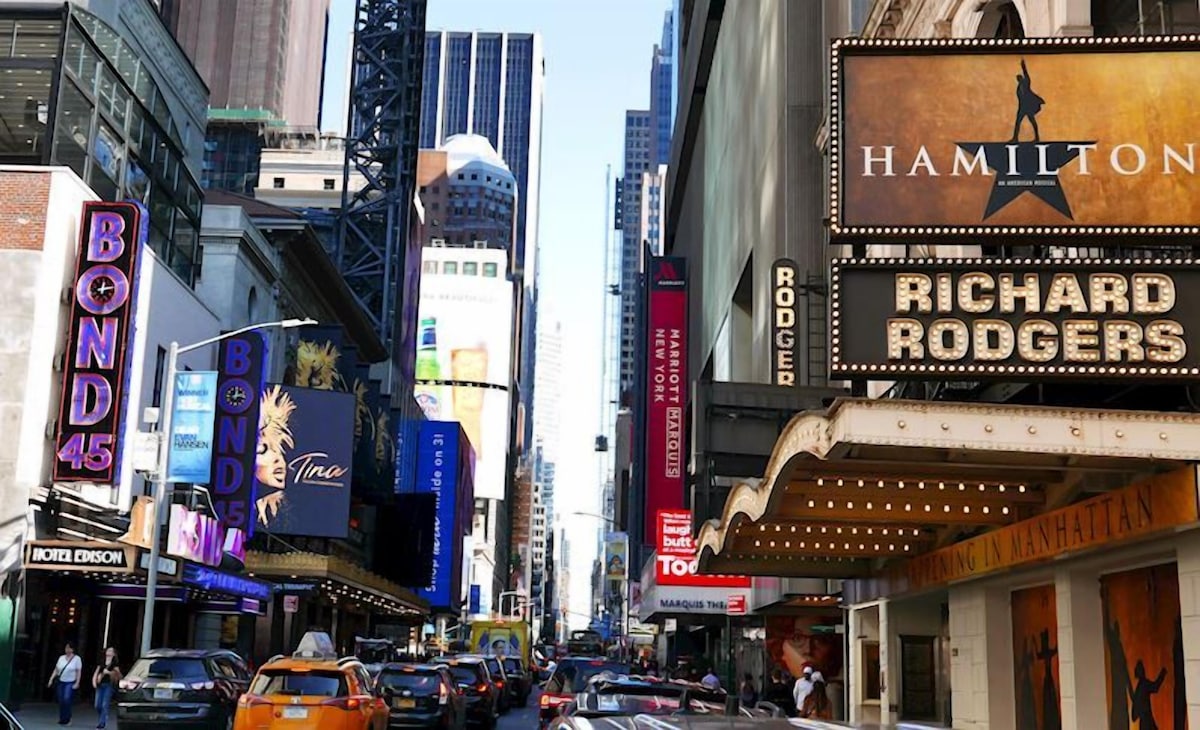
<point x="1038" y="136"/>
<point x="998" y="318"/>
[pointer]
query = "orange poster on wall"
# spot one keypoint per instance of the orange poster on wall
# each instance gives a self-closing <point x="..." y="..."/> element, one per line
<point x="1035" y="658"/>
<point x="1143" y="649"/>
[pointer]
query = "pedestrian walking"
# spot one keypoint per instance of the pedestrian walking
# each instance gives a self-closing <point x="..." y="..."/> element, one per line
<point x="803" y="687"/>
<point x="748" y="693"/>
<point x="67" y="672"/>
<point x="104" y="680"/>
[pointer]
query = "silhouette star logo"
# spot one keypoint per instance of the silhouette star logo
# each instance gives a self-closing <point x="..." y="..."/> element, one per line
<point x="1026" y="167"/>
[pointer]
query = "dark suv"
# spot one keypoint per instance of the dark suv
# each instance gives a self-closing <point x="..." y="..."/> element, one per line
<point x="422" y="695"/>
<point x="471" y="675"/>
<point x="195" y="688"/>
<point x="500" y="678"/>
<point x="520" y="682"/>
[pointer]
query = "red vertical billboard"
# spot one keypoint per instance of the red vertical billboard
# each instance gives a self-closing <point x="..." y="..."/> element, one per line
<point x="666" y="385"/>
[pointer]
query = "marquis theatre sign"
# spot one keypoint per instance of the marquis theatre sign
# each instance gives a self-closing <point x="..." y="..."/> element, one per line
<point x="1027" y="137"/>
<point x="998" y="318"/>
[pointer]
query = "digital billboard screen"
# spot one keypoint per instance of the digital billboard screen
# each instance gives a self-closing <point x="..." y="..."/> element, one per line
<point x="464" y="356"/>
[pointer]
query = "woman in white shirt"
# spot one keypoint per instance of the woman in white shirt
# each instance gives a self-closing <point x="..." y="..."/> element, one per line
<point x="67" y="670"/>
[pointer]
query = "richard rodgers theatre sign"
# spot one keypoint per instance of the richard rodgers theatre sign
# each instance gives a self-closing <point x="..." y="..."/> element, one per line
<point x="993" y="317"/>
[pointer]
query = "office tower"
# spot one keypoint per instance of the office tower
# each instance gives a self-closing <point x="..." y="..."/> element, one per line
<point x="263" y="61"/>
<point x="547" y="416"/>
<point x="258" y="54"/>
<point x="468" y="193"/>
<point x="647" y="146"/>
<point x="490" y="84"/>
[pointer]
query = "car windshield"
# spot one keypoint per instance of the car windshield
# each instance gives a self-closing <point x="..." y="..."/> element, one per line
<point x="572" y="676"/>
<point x="637" y="699"/>
<point x="176" y="668"/>
<point x="464" y="674"/>
<point x="312" y="683"/>
<point x="494" y="668"/>
<point x="417" y="682"/>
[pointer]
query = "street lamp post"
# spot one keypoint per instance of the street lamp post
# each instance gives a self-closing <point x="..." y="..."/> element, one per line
<point x="164" y="451"/>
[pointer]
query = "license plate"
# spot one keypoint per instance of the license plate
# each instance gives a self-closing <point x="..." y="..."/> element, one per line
<point x="405" y="704"/>
<point x="163" y="693"/>
<point x="295" y="713"/>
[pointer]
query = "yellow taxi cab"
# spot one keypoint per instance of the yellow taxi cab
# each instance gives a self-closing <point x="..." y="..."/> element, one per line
<point x="312" y="690"/>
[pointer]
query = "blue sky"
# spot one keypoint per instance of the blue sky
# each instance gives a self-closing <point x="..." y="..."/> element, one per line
<point x="597" y="66"/>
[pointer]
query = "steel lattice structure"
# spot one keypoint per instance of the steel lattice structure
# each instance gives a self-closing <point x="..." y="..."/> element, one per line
<point x="381" y="145"/>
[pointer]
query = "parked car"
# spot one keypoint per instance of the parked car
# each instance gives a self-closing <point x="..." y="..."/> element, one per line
<point x="480" y="691"/>
<point x="422" y="695"/>
<point x="312" y="690"/>
<point x="520" y="681"/>
<point x="500" y="678"/>
<point x="568" y="679"/>
<point x="8" y="721"/>
<point x="194" y="687"/>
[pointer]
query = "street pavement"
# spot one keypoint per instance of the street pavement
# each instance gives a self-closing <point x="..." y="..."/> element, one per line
<point x="41" y="716"/>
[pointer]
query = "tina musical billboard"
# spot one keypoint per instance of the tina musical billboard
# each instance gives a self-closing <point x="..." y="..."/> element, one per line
<point x="1040" y="136"/>
<point x="304" y="464"/>
<point x="1001" y="318"/>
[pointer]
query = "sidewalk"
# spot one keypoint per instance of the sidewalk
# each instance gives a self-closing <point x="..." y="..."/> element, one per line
<point x="44" y="716"/>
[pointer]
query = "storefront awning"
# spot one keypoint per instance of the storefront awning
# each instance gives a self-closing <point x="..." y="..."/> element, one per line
<point x="872" y="480"/>
<point x="340" y="580"/>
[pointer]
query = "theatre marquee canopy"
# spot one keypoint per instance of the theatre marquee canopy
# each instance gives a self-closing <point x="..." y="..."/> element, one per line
<point x="870" y="481"/>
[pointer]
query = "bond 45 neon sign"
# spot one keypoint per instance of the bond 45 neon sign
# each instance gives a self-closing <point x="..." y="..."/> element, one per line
<point x="90" y="413"/>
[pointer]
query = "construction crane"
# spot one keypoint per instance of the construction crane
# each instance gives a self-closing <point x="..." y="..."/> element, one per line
<point x="374" y="253"/>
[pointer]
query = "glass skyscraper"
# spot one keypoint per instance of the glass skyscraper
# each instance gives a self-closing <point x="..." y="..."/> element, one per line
<point x="490" y="84"/>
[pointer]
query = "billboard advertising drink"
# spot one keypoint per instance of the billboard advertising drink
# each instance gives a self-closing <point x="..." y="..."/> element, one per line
<point x="94" y="372"/>
<point x="1027" y="137"/>
<point x="303" y="469"/>
<point x="464" y="353"/>
<point x="439" y="452"/>
<point x="242" y="362"/>
<point x="666" y="385"/>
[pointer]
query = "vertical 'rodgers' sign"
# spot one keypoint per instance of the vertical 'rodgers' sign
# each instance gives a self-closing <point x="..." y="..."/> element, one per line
<point x="667" y="385"/>
<point x="783" y="322"/>
<point x="96" y="355"/>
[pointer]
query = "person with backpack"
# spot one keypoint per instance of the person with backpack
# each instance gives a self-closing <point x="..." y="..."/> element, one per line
<point x="816" y="705"/>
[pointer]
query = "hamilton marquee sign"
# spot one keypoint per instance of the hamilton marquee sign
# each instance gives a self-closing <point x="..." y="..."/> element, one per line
<point x="1039" y="136"/>
<point x="1013" y="318"/>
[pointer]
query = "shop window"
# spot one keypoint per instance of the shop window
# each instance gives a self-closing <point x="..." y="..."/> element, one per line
<point x="1145" y="17"/>
<point x="24" y="101"/>
<point x="34" y="39"/>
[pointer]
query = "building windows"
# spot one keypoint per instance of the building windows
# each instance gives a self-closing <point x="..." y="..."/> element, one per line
<point x="277" y="183"/>
<point x="470" y="268"/>
<point x="1145" y="17"/>
<point x="450" y="267"/>
<point x="328" y="183"/>
<point x="429" y="267"/>
<point x="489" y="271"/>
